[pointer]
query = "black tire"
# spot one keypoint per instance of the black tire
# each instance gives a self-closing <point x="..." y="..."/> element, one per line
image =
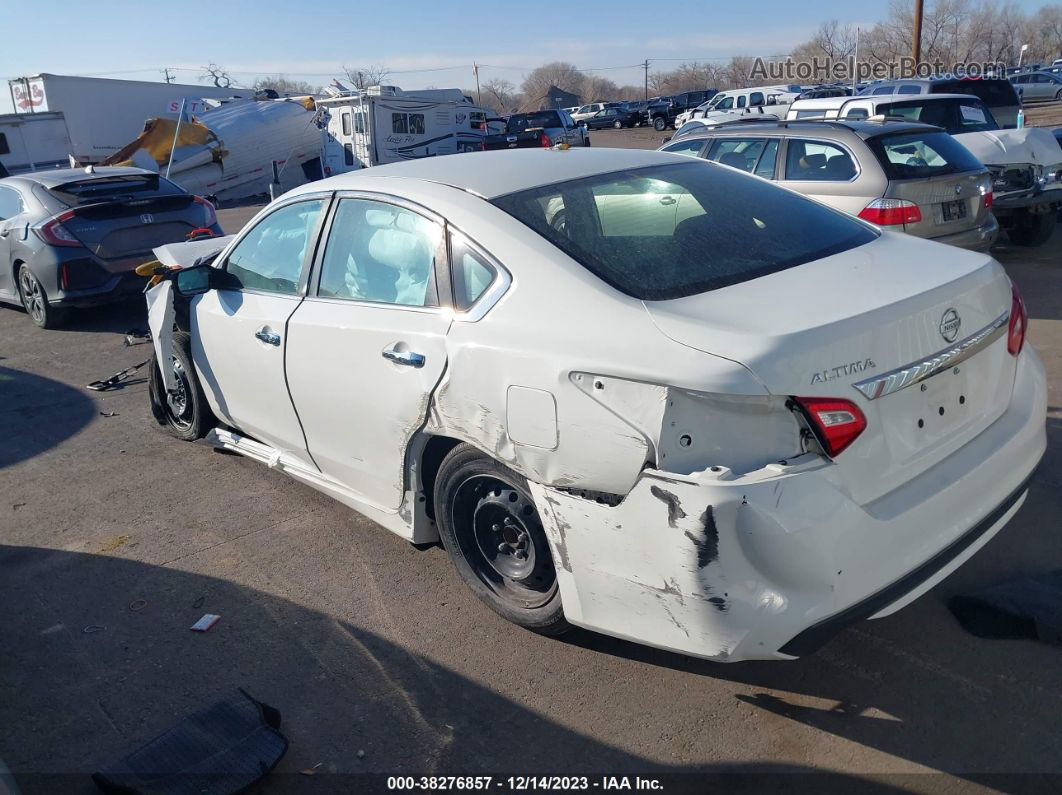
<point x="617" y="124"/>
<point x="659" y="124"/>
<point x="1031" y="229"/>
<point x="490" y="528"/>
<point x="586" y="141"/>
<point x="1058" y="96"/>
<point x="35" y="301"/>
<point x="185" y="415"/>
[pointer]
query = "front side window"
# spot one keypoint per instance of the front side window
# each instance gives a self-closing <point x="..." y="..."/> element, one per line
<point x="691" y="147"/>
<point x="669" y="231"/>
<point x="856" y="113"/>
<point x="380" y="253"/>
<point x="742" y="153"/>
<point x="271" y="256"/>
<point x="741" y="101"/>
<point x="756" y="98"/>
<point x="817" y="161"/>
<point x="726" y="103"/>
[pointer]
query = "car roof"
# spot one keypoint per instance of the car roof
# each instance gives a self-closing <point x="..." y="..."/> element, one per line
<point x="836" y="102"/>
<point x="61" y="176"/>
<point x="497" y="173"/>
<point x="864" y="128"/>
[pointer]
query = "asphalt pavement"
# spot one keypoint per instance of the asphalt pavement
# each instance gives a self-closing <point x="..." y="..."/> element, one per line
<point x="116" y="538"/>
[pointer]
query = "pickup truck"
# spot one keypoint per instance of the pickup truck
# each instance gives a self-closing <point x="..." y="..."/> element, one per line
<point x="542" y="128"/>
<point x="663" y="112"/>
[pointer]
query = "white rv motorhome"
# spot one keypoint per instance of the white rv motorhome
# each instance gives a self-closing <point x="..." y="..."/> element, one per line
<point x="384" y="124"/>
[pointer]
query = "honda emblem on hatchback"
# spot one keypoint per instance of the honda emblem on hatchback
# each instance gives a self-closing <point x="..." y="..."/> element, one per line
<point x="949" y="325"/>
<point x="147" y="218"/>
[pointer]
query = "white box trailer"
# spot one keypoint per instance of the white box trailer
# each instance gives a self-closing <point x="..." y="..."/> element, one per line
<point x="367" y="128"/>
<point x="103" y="115"/>
<point x="33" y="142"/>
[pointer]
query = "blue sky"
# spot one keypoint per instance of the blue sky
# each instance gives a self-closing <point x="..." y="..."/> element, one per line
<point x="313" y="38"/>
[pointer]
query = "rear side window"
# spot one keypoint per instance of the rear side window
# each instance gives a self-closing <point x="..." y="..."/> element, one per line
<point x="817" y="161"/>
<point x="10" y="203"/>
<point x="471" y="272"/>
<point x="994" y="93"/>
<point x="675" y="230"/>
<point x="530" y="121"/>
<point x="4" y="148"/>
<point x="920" y="155"/>
<point x="909" y="88"/>
<point x="742" y="153"/>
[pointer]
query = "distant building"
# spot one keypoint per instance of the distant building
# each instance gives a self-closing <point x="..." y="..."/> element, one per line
<point x="559" y="98"/>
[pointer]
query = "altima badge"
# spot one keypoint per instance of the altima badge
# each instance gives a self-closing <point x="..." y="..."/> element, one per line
<point x="949" y="325"/>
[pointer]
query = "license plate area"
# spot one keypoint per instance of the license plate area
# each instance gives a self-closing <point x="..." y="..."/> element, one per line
<point x="953" y="210"/>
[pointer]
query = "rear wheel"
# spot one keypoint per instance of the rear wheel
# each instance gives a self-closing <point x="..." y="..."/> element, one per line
<point x="617" y="124"/>
<point x="35" y="300"/>
<point x="1031" y="229"/>
<point x="491" y="529"/>
<point x="184" y="413"/>
<point x="660" y="124"/>
<point x="1058" y="96"/>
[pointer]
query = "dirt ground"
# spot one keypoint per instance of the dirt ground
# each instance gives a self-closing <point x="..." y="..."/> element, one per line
<point x="116" y="538"/>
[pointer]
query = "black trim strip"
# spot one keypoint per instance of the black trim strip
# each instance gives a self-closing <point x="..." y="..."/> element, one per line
<point x="814" y="637"/>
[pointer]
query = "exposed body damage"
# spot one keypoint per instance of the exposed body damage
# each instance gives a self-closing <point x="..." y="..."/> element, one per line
<point x="672" y="479"/>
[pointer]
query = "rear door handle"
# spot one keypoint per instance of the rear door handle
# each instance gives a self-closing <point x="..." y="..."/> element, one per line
<point x="408" y="358"/>
<point x="268" y="337"/>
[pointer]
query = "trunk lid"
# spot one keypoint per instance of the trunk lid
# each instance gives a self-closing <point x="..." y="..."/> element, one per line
<point x="1005" y="147"/>
<point x="948" y="204"/>
<point x="817" y="329"/>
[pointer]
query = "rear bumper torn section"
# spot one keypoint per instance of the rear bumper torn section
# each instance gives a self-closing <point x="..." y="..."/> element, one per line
<point x="734" y="568"/>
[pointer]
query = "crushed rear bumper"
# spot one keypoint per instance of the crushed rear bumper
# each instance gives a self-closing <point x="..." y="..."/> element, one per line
<point x="771" y="564"/>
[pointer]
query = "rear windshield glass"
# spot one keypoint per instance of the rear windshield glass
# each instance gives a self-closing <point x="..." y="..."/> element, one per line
<point x="920" y="155"/>
<point x="674" y="230"/>
<point x="115" y="188"/>
<point x="526" y="121"/>
<point x="994" y="93"/>
<point x="954" y="115"/>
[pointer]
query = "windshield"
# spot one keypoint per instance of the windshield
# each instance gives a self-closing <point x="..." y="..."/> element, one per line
<point x="530" y="121"/>
<point x="954" y="115"/>
<point x="674" y="230"/>
<point x="922" y="154"/>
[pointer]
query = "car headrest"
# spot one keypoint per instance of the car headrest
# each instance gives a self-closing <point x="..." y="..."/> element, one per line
<point x="839" y="167"/>
<point x="380" y="219"/>
<point x="734" y="160"/>
<point x="812" y="162"/>
<point x="400" y="250"/>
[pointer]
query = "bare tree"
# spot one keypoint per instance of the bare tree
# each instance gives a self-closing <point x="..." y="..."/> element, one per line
<point x="501" y="95"/>
<point x="217" y="74"/>
<point x="364" y="76"/>
<point x="284" y="85"/>
<point x="564" y="76"/>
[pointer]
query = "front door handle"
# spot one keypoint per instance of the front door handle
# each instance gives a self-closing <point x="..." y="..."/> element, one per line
<point x="667" y="200"/>
<point x="267" y="336"/>
<point x="408" y="358"/>
<point x="5" y="232"/>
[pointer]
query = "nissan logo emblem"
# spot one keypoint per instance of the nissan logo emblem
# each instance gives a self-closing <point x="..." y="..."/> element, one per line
<point x="949" y="325"/>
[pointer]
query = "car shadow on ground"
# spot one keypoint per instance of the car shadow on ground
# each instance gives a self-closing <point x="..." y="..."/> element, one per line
<point x="37" y="414"/>
<point x="99" y="659"/>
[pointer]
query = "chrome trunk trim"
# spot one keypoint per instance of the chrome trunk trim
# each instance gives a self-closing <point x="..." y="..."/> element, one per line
<point x="913" y="373"/>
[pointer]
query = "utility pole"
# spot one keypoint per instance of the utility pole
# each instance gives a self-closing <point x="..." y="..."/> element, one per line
<point x="645" y="66"/>
<point x="855" y="65"/>
<point x="475" y="71"/>
<point x="916" y="36"/>
<point x="169" y="78"/>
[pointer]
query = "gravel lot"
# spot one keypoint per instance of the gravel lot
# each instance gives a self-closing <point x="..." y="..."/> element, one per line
<point x="367" y="644"/>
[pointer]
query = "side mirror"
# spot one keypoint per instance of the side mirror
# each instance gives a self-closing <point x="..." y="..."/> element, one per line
<point x="193" y="281"/>
<point x="199" y="279"/>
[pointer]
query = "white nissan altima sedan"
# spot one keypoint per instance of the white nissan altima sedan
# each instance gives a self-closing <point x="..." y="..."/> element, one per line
<point x="629" y="391"/>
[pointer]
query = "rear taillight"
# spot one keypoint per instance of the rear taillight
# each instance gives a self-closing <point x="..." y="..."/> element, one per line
<point x="54" y="233"/>
<point x="211" y="216"/>
<point x="1019" y="322"/>
<point x="890" y="212"/>
<point x="836" y="422"/>
<point x="988" y="200"/>
<point x="545" y="141"/>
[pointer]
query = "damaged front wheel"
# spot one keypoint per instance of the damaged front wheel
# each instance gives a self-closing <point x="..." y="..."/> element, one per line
<point x="184" y="411"/>
<point x="490" y="527"/>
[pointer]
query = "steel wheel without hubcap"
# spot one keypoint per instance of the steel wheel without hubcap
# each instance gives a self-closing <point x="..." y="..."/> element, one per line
<point x="178" y="406"/>
<point x="506" y="546"/>
<point x="33" y="298"/>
